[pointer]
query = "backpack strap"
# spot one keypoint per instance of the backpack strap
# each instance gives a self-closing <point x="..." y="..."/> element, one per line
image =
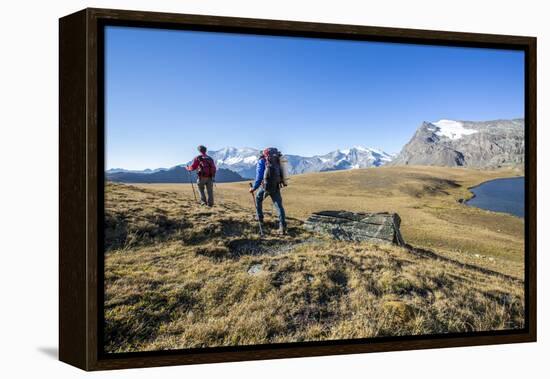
<point x="200" y="158"/>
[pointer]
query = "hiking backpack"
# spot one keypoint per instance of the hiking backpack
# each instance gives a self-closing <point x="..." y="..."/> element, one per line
<point x="273" y="173"/>
<point x="207" y="168"/>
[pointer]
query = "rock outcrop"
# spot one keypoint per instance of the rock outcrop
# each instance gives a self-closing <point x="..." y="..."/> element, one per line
<point x="351" y="226"/>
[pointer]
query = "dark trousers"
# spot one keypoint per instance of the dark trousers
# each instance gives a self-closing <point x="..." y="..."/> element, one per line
<point x="277" y="202"/>
<point x="207" y="183"/>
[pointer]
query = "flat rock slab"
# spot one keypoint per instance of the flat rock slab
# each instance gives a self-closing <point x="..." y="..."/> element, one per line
<point x="357" y="226"/>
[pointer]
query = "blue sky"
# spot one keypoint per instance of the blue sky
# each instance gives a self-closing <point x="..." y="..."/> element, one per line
<point x="169" y="91"/>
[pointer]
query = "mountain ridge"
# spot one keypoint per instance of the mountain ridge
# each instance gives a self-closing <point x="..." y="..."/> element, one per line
<point x="176" y="174"/>
<point x="243" y="161"/>
<point x="448" y="143"/>
<point x="477" y="144"/>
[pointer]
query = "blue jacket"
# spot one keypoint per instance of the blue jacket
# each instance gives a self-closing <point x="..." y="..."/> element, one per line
<point x="260" y="169"/>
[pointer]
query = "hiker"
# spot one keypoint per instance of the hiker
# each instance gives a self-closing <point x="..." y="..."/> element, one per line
<point x="269" y="180"/>
<point x="206" y="172"/>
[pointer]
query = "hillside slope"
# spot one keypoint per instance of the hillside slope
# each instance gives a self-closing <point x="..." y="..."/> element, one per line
<point x="178" y="275"/>
<point x="426" y="197"/>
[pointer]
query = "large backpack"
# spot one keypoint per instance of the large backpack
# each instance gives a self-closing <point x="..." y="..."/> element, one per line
<point x="273" y="173"/>
<point x="207" y="168"/>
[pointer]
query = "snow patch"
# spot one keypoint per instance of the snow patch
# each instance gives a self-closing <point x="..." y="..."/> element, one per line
<point x="232" y="160"/>
<point x="452" y="129"/>
<point x="251" y="159"/>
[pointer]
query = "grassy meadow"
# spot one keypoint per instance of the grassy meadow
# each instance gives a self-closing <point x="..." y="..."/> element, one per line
<point x="426" y="199"/>
<point x="178" y="275"/>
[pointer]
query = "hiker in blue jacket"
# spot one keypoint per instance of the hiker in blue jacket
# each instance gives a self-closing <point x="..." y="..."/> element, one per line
<point x="268" y="180"/>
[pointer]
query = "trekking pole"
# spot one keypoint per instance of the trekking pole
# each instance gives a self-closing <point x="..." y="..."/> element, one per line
<point x="192" y="186"/>
<point x="257" y="215"/>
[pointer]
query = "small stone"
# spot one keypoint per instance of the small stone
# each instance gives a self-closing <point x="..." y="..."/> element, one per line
<point x="507" y="299"/>
<point x="255" y="269"/>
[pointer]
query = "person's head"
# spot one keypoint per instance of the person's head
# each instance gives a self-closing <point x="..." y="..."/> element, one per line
<point x="202" y="149"/>
<point x="267" y="150"/>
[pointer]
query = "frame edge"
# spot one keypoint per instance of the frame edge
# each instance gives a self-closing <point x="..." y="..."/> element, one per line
<point x="81" y="349"/>
<point x="72" y="193"/>
<point x="531" y="114"/>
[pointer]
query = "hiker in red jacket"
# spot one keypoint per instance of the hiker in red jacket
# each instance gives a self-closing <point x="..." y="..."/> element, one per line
<point x="206" y="172"/>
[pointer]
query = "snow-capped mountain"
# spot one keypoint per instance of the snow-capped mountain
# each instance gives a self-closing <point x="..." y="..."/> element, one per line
<point x="243" y="160"/>
<point x="485" y="144"/>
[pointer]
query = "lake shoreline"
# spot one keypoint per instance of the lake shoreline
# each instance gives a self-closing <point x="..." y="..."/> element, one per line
<point x="474" y="196"/>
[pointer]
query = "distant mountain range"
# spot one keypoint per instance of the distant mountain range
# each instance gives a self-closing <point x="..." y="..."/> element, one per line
<point x="146" y="171"/>
<point x="176" y="174"/>
<point x="236" y="164"/>
<point x="243" y="160"/>
<point x="487" y="144"/>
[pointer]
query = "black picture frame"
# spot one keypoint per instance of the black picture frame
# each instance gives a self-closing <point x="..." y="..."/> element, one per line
<point x="81" y="148"/>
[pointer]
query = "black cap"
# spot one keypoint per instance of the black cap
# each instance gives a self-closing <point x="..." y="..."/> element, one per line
<point x="202" y="148"/>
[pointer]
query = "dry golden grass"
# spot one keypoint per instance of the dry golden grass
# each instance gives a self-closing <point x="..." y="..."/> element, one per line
<point x="426" y="198"/>
<point x="178" y="275"/>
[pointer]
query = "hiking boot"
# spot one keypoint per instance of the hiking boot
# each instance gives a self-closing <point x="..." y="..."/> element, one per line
<point x="202" y="204"/>
<point x="282" y="231"/>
